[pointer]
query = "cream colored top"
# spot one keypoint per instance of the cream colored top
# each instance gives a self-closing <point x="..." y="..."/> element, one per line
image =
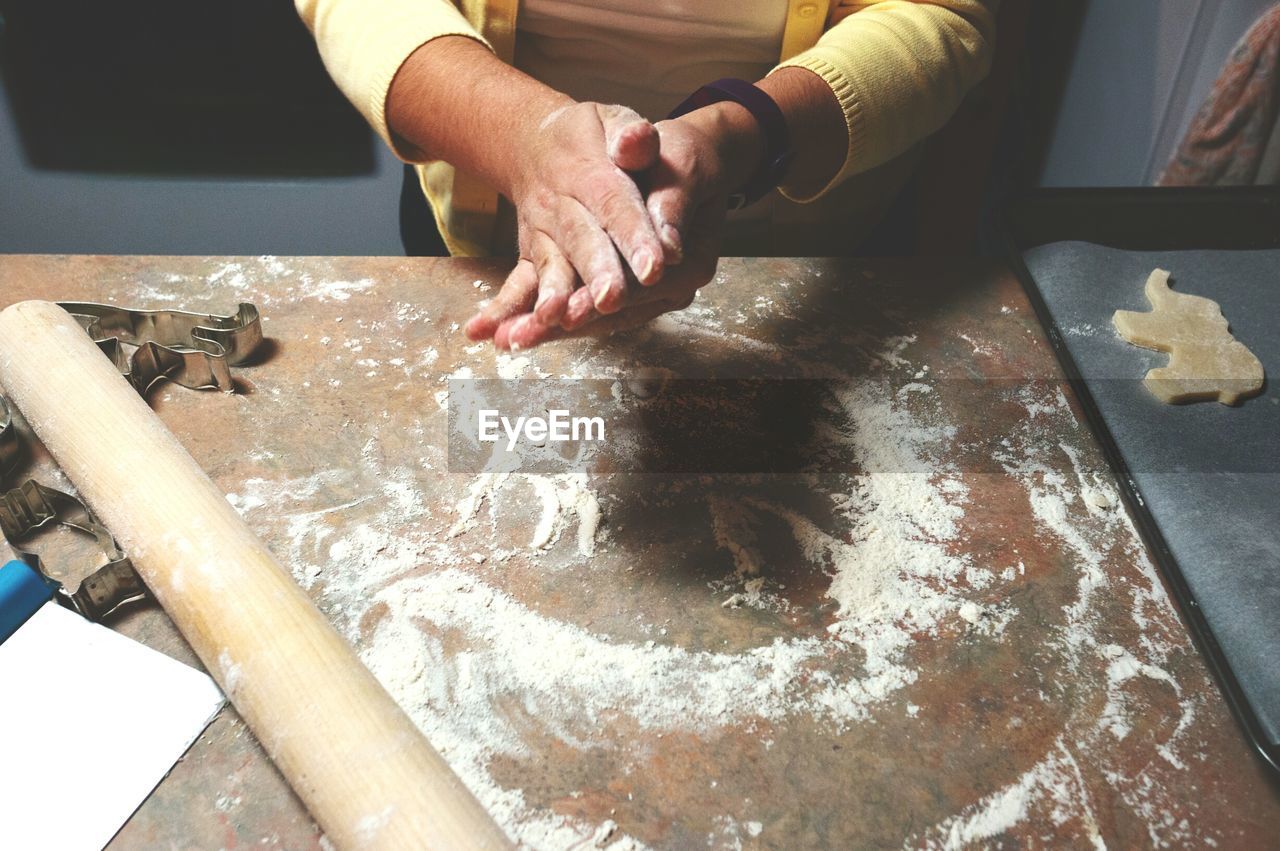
<point x="646" y="54"/>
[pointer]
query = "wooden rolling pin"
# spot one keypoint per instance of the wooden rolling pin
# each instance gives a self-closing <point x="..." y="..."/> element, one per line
<point x="366" y="773"/>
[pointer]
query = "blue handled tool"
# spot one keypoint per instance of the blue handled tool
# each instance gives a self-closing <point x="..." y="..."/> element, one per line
<point x="22" y="593"/>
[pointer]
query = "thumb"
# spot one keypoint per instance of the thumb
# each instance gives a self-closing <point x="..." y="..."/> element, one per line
<point x="669" y="206"/>
<point x="632" y="142"/>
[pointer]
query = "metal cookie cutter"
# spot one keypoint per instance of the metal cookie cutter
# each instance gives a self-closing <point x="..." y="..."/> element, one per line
<point x="195" y="350"/>
<point x="8" y="440"/>
<point x="28" y="508"/>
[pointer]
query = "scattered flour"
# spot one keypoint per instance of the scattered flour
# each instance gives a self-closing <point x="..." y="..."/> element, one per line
<point x="369" y="826"/>
<point x="562" y="498"/>
<point x="230" y="671"/>
<point x="244" y="280"/>
<point x="244" y="505"/>
<point x="455" y="649"/>
<point x="331" y="290"/>
<point x="1053" y="497"/>
<point x="1053" y="790"/>
<point x="893" y="579"/>
<point x="227" y="803"/>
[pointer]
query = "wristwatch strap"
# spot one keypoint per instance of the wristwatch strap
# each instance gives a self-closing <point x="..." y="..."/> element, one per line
<point x="773" y="124"/>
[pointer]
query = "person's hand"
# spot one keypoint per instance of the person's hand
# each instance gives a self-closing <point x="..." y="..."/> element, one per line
<point x="562" y="163"/>
<point x="702" y="157"/>
<point x="581" y="216"/>
<point x="566" y="165"/>
<point x="676" y="291"/>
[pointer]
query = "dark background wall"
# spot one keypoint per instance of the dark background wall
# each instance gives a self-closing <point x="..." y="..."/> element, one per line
<point x="171" y="126"/>
<point x="1136" y="77"/>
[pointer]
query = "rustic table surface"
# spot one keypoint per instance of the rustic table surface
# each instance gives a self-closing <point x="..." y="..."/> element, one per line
<point x="945" y="633"/>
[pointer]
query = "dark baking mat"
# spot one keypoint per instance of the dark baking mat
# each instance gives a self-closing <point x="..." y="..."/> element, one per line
<point x="1207" y="475"/>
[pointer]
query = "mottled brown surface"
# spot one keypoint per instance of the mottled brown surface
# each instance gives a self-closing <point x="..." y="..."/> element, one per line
<point x="985" y="710"/>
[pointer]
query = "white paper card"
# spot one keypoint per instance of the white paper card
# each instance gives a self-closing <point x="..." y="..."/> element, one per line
<point x="90" y="723"/>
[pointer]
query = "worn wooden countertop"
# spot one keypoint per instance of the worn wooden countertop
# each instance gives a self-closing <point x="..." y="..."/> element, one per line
<point x="948" y="634"/>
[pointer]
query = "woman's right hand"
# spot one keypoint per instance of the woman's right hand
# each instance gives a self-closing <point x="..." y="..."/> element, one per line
<point x="582" y="219"/>
<point x="563" y="164"/>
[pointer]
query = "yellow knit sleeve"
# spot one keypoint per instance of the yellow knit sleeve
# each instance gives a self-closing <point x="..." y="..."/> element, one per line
<point x="364" y="42"/>
<point x="899" y="68"/>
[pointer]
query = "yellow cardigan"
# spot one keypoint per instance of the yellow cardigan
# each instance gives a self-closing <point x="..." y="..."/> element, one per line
<point x="899" y="69"/>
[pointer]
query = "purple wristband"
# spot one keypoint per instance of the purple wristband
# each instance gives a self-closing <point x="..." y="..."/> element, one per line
<point x="773" y="124"/>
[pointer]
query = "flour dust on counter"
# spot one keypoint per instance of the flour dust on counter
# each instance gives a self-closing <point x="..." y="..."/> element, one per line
<point x="591" y="650"/>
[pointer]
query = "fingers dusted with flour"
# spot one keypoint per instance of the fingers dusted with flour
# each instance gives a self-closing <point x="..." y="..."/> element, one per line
<point x="514" y="298"/>
<point x="676" y="291"/>
<point x="600" y="232"/>
<point x="520" y="333"/>
<point x="556" y="279"/>
<point x="568" y="186"/>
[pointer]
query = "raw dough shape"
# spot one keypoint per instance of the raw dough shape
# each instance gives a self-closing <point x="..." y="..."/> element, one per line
<point x="1205" y="361"/>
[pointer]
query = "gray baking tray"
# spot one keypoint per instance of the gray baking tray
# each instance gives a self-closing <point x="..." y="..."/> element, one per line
<point x="1203" y="480"/>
